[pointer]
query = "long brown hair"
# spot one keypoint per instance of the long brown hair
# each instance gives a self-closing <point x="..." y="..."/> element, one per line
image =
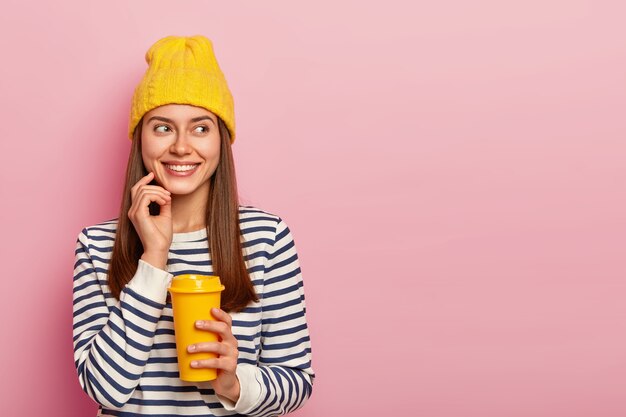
<point x="222" y="220"/>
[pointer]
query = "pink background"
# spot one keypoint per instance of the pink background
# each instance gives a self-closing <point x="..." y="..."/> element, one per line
<point x="453" y="173"/>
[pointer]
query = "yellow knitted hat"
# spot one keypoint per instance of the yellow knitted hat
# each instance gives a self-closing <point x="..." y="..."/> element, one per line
<point x="183" y="70"/>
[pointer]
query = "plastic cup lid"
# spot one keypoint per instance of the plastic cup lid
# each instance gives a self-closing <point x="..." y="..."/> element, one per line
<point x="196" y="283"/>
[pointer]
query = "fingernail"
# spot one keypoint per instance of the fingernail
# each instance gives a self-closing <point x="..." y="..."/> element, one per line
<point x="200" y="323"/>
<point x="191" y="348"/>
<point x="215" y="310"/>
<point x="194" y="364"/>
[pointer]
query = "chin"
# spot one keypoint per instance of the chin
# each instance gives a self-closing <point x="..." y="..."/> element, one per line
<point x="185" y="187"/>
<point x="178" y="191"/>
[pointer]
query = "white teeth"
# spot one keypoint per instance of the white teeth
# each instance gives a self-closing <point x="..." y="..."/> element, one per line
<point x="181" y="168"/>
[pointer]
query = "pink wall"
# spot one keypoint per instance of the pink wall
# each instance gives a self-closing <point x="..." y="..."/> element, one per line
<point x="453" y="174"/>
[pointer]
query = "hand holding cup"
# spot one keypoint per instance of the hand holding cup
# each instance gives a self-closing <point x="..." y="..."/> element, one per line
<point x="226" y="349"/>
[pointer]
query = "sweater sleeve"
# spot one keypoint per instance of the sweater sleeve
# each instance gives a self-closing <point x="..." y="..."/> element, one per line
<point x="112" y="343"/>
<point x="283" y="379"/>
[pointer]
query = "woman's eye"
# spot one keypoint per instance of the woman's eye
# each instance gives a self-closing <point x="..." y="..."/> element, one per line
<point x="156" y="129"/>
<point x="204" y="129"/>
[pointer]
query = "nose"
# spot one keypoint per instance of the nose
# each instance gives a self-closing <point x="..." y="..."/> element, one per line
<point x="181" y="145"/>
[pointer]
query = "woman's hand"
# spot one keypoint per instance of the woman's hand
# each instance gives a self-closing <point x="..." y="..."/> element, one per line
<point x="226" y="384"/>
<point x="155" y="232"/>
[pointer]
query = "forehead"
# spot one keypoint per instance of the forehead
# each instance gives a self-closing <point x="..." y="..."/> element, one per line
<point x="179" y="112"/>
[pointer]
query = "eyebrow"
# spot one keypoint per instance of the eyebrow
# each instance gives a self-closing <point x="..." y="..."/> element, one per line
<point x="194" y="120"/>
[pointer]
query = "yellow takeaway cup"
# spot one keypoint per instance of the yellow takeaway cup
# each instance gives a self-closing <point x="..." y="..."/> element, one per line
<point x="193" y="296"/>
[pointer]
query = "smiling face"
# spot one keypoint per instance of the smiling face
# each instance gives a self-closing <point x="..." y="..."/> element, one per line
<point x="181" y="145"/>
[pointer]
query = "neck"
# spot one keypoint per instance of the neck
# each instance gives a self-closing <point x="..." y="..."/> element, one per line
<point x="189" y="211"/>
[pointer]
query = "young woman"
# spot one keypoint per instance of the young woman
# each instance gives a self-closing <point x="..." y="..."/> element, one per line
<point x="180" y="215"/>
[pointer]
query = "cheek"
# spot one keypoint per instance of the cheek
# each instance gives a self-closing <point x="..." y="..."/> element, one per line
<point x="150" y="153"/>
<point x="146" y="159"/>
<point x="150" y="162"/>
<point x="211" y="153"/>
<point x="215" y="154"/>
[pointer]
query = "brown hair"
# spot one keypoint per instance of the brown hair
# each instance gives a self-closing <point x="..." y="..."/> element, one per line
<point x="222" y="220"/>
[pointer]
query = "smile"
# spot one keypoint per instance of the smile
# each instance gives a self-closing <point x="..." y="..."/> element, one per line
<point x="181" y="170"/>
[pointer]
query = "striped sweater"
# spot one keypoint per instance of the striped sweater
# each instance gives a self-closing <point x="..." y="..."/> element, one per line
<point x="125" y="353"/>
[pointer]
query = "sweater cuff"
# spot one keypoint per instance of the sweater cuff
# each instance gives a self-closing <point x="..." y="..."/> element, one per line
<point x="150" y="282"/>
<point x="250" y="390"/>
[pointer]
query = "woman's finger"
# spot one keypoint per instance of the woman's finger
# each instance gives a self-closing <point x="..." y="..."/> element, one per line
<point x="143" y="200"/>
<point x="221" y="349"/>
<point x="154" y="188"/>
<point x="143" y="181"/>
<point x="150" y="189"/>
<point x="160" y="193"/>
<point x="221" y="315"/>
<point x="145" y="197"/>
<point x="221" y="328"/>
<point x="216" y="363"/>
